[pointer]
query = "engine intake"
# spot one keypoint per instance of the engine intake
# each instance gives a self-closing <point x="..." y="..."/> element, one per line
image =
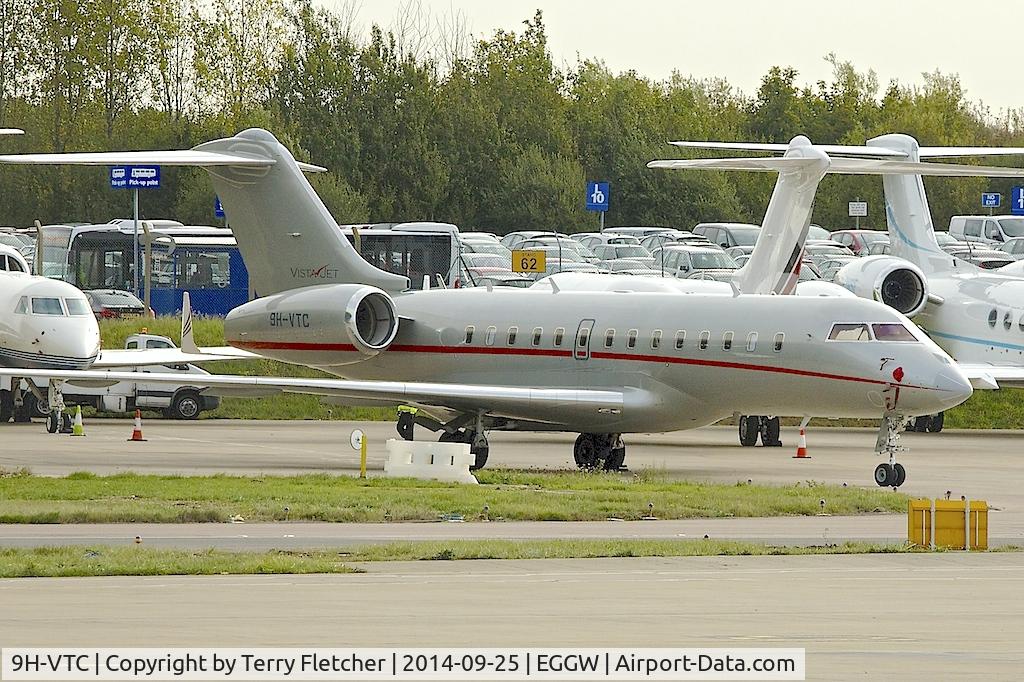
<point x="370" y="320"/>
<point x="899" y="284"/>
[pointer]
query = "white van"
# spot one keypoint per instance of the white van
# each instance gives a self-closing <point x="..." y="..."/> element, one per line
<point x="986" y="229"/>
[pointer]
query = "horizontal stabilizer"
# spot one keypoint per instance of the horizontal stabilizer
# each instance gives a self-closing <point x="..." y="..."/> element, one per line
<point x="843" y="165"/>
<point x="941" y="152"/>
<point x="186" y="157"/>
<point x="838" y="149"/>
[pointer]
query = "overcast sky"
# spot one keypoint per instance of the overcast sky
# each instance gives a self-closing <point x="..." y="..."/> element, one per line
<point x="980" y="40"/>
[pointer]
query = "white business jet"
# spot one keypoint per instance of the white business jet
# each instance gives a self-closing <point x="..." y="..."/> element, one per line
<point x="597" y="363"/>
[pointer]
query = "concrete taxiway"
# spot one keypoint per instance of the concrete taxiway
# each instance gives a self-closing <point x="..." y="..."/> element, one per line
<point x="938" y="616"/>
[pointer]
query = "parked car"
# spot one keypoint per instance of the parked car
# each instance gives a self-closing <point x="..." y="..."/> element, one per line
<point x="570" y="249"/>
<point x="660" y="239"/>
<point x="638" y="232"/>
<point x="858" y="241"/>
<point x="690" y="262"/>
<point x="879" y="248"/>
<point x="737" y="251"/>
<point x="628" y="266"/>
<point x="821" y="251"/>
<point x="592" y="239"/>
<point x="816" y="232"/>
<point x="486" y="246"/>
<point x="511" y="239"/>
<point x="1014" y="248"/>
<point x="728" y="235"/>
<point x="111" y="303"/>
<point x="828" y="267"/>
<point x="633" y="252"/>
<point x="992" y="230"/>
<point x="513" y="279"/>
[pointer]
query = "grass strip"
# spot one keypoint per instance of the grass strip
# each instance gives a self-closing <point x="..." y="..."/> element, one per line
<point x="502" y="495"/>
<point x="73" y="561"/>
<point x="60" y="562"/>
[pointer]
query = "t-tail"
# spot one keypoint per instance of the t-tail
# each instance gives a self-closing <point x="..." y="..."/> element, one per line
<point x="287" y="237"/>
<point x="774" y="264"/>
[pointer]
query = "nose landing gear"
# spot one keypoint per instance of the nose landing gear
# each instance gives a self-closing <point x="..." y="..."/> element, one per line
<point x="891" y="473"/>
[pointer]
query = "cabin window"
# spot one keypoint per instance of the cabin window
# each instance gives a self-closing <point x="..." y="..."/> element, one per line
<point x="559" y="335"/>
<point x="705" y="336"/>
<point x="992" y="317"/>
<point x="892" y="332"/>
<point x="22" y="308"/>
<point x="727" y="340"/>
<point x="779" y="338"/>
<point x="680" y="339"/>
<point x="609" y="338"/>
<point x="469" y="333"/>
<point x="46" y="306"/>
<point x="656" y="339"/>
<point x="584" y="338"/>
<point x="631" y="339"/>
<point x="849" y="332"/>
<point x="512" y="331"/>
<point x="751" y="342"/>
<point x="1007" y="321"/>
<point x="491" y="333"/>
<point x="537" y="333"/>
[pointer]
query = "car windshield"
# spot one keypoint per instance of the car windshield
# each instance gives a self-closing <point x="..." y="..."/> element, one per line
<point x="116" y="298"/>
<point x="1012" y="227"/>
<point x="486" y="260"/>
<point x="944" y="238"/>
<point x="871" y="237"/>
<point x="488" y="247"/>
<point x="745" y="236"/>
<point x="704" y="260"/>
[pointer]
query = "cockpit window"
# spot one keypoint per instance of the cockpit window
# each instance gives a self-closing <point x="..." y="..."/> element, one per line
<point x="849" y="332"/>
<point x="46" y="306"/>
<point x="77" y="307"/>
<point x="22" y="307"/>
<point x="892" y="332"/>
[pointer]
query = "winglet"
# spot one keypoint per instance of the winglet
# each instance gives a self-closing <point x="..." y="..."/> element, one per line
<point x="188" y="342"/>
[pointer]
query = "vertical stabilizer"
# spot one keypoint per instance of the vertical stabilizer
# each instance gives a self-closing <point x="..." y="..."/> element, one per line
<point x="287" y="236"/>
<point x="774" y="265"/>
<point x="907" y="215"/>
<point x="188" y="341"/>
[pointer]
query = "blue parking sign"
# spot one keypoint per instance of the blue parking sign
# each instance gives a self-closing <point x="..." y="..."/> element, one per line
<point x="598" y="196"/>
<point x="1017" y="201"/>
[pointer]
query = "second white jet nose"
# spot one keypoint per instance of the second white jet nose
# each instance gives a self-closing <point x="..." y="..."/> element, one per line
<point x="953" y="387"/>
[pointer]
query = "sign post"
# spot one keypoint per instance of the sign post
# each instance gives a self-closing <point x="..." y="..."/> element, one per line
<point x="858" y="209"/>
<point x="135" y="178"/>
<point x="598" y="198"/>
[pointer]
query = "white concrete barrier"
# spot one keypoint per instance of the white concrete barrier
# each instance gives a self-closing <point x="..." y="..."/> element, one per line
<point x="429" y="460"/>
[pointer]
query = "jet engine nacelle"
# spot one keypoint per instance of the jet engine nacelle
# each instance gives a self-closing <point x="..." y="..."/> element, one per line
<point x="898" y="283"/>
<point x="331" y="324"/>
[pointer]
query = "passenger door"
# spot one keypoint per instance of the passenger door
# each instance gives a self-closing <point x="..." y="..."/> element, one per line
<point x="581" y="348"/>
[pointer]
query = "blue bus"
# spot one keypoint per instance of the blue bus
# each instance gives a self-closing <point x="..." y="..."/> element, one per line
<point x="204" y="261"/>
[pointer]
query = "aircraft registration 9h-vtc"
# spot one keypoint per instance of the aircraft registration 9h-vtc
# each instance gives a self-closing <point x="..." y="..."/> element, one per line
<point x="600" y="361"/>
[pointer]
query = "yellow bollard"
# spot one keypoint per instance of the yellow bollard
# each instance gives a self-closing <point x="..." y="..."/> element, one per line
<point x="362" y="457"/>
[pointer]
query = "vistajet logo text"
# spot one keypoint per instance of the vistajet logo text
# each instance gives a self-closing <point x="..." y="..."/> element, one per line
<point x="322" y="272"/>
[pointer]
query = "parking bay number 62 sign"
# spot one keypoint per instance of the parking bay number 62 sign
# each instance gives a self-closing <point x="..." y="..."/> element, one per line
<point x="529" y="261"/>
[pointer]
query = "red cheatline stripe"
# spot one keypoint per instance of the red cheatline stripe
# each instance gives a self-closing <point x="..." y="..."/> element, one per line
<point x="491" y="350"/>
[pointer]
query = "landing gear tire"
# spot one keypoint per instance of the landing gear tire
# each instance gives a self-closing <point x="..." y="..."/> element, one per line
<point x="479" y="451"/>
<point x="900" y="475"/>
<point x="52" y="422"/>
<point x="6" y="407"/>
<point x="65" y="423"/>
<point x="586" y="452"/>
<point x="935" y="423"/>
<point x="617" y="458"/>
<point x="186" y="405"/>
<point x="770" y="432"/>
<point x="885" y="475"/>
<point x="750" y="427"/>
<point x="40" y="407"/>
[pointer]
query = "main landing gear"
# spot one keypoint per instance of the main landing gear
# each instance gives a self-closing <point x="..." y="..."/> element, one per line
<point x="458" y="430"/>
<point x="600" y="451"/>
<point x="891" y="473"/>
<point x="753" y="426"/>
<point x="931" y="423"/>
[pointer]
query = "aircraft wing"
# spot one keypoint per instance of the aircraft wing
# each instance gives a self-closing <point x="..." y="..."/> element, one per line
<point x="112" y="359"/>
<point x="513" y="400"/>
<point x="991" y="377"/>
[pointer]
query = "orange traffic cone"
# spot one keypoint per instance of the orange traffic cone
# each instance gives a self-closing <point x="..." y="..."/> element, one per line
<point x="801" y="450"/>
<point x="137" y="432"/>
